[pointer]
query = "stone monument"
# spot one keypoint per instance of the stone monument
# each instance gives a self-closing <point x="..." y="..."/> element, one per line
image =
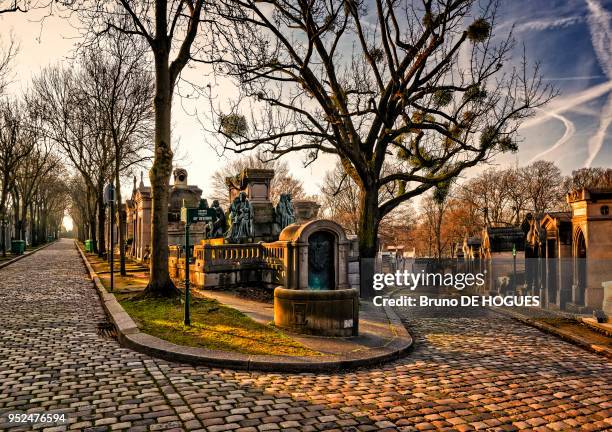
<point x="284" y="212"/>
<point x="218" y="226"/>
<point x="241" y="220"/>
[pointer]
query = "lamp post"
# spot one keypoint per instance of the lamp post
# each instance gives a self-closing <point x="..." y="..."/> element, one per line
<point x="109" y="198"/>
<point x="514" y="267"/>
<point x="186" y="217"/>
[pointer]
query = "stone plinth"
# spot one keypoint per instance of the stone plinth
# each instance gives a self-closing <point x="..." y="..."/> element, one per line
<point x="305" y="210"/>
<point x="324" y="313"/>
<point x="254" y="181"/>
<point x="607" y="303"/>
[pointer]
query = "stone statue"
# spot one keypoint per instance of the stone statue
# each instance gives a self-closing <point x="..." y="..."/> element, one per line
<point x="217" y="227"/>
<point x="241" y="220"/>
<point x="284" y="211"/>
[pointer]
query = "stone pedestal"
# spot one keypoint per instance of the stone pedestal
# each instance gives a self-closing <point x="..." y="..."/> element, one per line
<point x="323" y="313"/>
<point x="256" y="184"/>
<point x="305" y="210"/>
<point x="607" y="303"/>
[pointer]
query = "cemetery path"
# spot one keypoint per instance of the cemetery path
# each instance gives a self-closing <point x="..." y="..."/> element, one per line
<point x="481" y="372"/>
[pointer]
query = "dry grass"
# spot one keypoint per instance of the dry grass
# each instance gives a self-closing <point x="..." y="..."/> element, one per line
<point x="214" y="326"/>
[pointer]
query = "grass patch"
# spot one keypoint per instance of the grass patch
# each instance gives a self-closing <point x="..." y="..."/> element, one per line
<point x="136" y="278"/>
<point x="214" y="326"/>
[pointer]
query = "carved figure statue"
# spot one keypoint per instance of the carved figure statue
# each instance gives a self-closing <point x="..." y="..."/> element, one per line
<point x="241" y="219"/>
<point x="217" y="227"/>
<point x="284" y="211"/>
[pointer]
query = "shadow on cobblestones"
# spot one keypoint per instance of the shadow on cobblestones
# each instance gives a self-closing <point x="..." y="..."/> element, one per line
<point x="481" y="372"/>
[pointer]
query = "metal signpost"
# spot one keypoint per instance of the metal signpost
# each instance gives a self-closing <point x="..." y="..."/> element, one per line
<point x="109" y="198"/>
<point x="514" y="265"/>
<point x="189" y="216"/>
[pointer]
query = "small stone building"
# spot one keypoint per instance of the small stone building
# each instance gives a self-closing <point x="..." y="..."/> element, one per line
<point x="567" y="255"/>
<point x="138" y="215"/>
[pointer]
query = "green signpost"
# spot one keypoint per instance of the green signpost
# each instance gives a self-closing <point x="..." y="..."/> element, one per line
<point x="514" y="265"/>
<point x="192" y="215"/>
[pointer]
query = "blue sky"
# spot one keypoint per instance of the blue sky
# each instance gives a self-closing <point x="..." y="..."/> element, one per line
<point x="571" y="39"/>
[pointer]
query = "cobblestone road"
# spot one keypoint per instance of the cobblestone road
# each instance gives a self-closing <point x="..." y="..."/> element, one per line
<point x="466" y="373"/>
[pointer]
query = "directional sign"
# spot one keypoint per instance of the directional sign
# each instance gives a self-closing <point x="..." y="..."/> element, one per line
<point x="193" y="215"/>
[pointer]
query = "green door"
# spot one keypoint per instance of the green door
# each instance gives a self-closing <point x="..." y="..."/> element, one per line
<point x="321" y="275"/>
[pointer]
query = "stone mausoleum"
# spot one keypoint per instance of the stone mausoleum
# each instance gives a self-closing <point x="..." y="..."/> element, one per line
<point x="565" y="257"/>
<point x="138" y="215"/>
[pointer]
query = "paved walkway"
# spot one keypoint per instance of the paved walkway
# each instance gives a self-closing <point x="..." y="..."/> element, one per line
<point x="482" y="372"/>
<point x="376" y="331"/>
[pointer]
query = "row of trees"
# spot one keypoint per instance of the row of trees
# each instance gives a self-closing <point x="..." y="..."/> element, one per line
<point x="98" y="114"/>
<point x="32" y="189"/>
<point x="92" y="118"/>
<point x="494" y="198"/>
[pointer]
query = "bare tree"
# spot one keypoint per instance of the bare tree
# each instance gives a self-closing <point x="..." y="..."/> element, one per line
<point x="283" y="182"/>
<point x="340" y="199"/>
<point x="116" y="83"/>
<point x="170" y="29"/>
<point x="544" y="187"/>
<point x="16" y="144"/>
<point x="81" y="134"/>
<point x="8" y="6"/>
<point x="340" y="202"/>
<point x="423" y="93"/>
<point x="79" y="205"/>
<point x="36" y="167"/>
<point x="590" y="178"/>
<point x="488" y="193"/>
<point x="7" y="56"/>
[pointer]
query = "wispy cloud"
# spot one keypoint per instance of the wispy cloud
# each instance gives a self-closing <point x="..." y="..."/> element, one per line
<point x="566" y="103"/>
<point x="601" y="33"/>
<point x="574" y="78"/>
<point x="570" y="130"/>
<point x="547" y="24"/>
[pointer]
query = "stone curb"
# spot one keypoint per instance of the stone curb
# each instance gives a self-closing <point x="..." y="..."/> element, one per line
<point x="26" y="254"/>
<point x="565" y="335"/>
<point x="131" y="337"/>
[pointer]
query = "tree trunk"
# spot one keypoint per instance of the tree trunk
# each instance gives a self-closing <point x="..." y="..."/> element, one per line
<point x="368" y="235"/>
<point x="22" y="222"/>
<point x="160" y="284"/>
<point x="91" y="218"/>
<point x="101" y="220"/>
<point x="33" y="236"/>
<point x="120" y="221"/>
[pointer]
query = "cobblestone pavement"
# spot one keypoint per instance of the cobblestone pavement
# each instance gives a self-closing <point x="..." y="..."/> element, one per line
<point x="484" y="372"/>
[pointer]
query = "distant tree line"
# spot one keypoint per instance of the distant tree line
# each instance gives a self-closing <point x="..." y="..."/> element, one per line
<point x="497" y="198"/>
<point x="33" y="192"/>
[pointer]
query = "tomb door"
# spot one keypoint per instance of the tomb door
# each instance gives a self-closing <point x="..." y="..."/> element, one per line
<point x="321" y="261"/>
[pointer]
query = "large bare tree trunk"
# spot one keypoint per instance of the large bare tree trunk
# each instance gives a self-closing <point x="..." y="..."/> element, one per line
<point x="368" y="230"/>
<point x="160" y="284"/>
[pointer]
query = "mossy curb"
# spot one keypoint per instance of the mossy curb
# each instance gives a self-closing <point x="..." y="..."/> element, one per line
<point x="565" y="335"/>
